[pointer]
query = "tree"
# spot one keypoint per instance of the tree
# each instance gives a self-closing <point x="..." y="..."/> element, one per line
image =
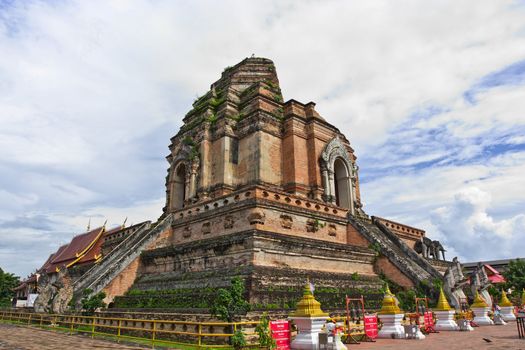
<point x="230" y="302"/>
<point x="8" y="281"/>
<point x="515" y="275"/>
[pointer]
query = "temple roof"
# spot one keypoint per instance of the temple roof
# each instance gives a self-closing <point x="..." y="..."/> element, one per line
<point x="493" y="274"/>
<point x="83" y="248"/>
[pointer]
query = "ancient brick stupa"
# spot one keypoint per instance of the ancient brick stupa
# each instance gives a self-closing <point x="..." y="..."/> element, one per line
<point x="266" y="190"/>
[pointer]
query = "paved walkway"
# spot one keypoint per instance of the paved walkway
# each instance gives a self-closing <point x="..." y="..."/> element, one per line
<point x="501" y="337"/>
<point x="30" y="338"/>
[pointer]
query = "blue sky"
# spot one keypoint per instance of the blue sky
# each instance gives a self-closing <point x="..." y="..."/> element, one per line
<point x="432" y="100"/>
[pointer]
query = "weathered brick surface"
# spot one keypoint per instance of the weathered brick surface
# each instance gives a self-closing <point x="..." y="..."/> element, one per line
<point x="384" y="265"/>
<point x="123" y="281"/>
<point x="255" y="165"/>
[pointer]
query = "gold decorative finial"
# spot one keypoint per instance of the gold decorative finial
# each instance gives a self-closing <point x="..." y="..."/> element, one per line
<point x="478" y="301"/>
<point x="387" y="290"/>
<point x="442" y="304"/>
<point x="124" y="223"/>
<point x="504" y="300"/>
<point x="389" y="306"/>
<point x="308" y="306"/>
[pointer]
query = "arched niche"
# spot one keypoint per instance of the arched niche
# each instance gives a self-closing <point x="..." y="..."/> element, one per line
<point x="179" y="181"/>
<point x="337" y="172"/>
<point x="342" y="184"/>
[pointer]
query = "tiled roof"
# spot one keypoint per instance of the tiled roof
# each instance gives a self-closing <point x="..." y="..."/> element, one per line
<point x="494" y="275"/>
<point x="78" y="246"/>
<point x="83" y="248"/>
<point x="95" y="252"/>
<point x="48" y="266"/>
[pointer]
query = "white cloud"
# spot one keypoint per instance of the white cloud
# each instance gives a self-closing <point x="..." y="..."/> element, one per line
<point x="91" y="91"/>
<point x="467" y="226"/>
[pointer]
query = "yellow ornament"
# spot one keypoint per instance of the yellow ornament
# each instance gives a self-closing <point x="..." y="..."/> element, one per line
<point x="308" y="306"/>
<point x="389" y="306"/>
<point x="478" y="302"/>
<point x="504" y="300"/>
<point x="442" y="304"/>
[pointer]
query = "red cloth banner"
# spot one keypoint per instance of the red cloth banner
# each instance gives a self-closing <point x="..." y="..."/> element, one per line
<point x="371" y="326"/>
<point x="429" y="320"/>
<point x="281" y="333"/>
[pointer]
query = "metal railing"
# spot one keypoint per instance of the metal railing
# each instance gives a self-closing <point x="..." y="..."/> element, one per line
<point x="145" y="331"/>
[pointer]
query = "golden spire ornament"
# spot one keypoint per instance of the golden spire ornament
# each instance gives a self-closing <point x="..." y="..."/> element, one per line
<point x="478" y="301"/>
<point x="504" y="300"/>
<point x="308" y="306"/>
<point x="389" y="306"/>
<point x="442" y="304"/>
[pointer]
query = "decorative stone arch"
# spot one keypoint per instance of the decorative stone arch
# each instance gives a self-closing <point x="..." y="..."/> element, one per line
<point x="179" y="183"/>
<point x="182" y="180"/>
<point x="338" y="174"/>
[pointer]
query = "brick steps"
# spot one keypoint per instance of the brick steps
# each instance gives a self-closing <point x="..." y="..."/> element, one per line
<point x="101" y="274"/>
<point x="416" y="268"/>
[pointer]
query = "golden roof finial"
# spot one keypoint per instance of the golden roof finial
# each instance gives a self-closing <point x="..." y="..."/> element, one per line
<point x="442" y="304"/>
<point x="89" y="225"/>
<point x="389" y="306"/>
<point x="504" y="300"/>
<point x="308" y="306"/>
<point x="478" y="301"/>
<point x="124" y="223"/>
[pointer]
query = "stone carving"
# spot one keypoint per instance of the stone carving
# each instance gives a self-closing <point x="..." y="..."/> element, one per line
<point x="423" y="247"/>
<point x="64" y="286"/>
<point x="437" y="248"/>
<point x="206" y="228"/>
<point x="229" y="221"/>
<point x="186" y="233"/>
<point x="334" y="149"/>
<point x="46" y="292"/>
<point x="453" y="284"/>
<point x="430" y="249"/>
<point x="286" y="221"/>
<point x="256" y="217"/>
<point x="313" y="225"/>
<point x="332" y="230"/>
<point x="479" y="282"/>
<point x="54" y="296"/>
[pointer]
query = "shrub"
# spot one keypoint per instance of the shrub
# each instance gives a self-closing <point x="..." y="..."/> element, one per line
<point x="263" y="330"/>
<point x="90" y="304"/>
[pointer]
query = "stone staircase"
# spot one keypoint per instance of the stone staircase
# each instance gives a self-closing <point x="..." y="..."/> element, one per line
<point x="101" y="274"/>
<point x="415" y="267"/>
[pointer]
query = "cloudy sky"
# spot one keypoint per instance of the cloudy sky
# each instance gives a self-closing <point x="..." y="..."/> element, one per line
<point x="431" y="95"/>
